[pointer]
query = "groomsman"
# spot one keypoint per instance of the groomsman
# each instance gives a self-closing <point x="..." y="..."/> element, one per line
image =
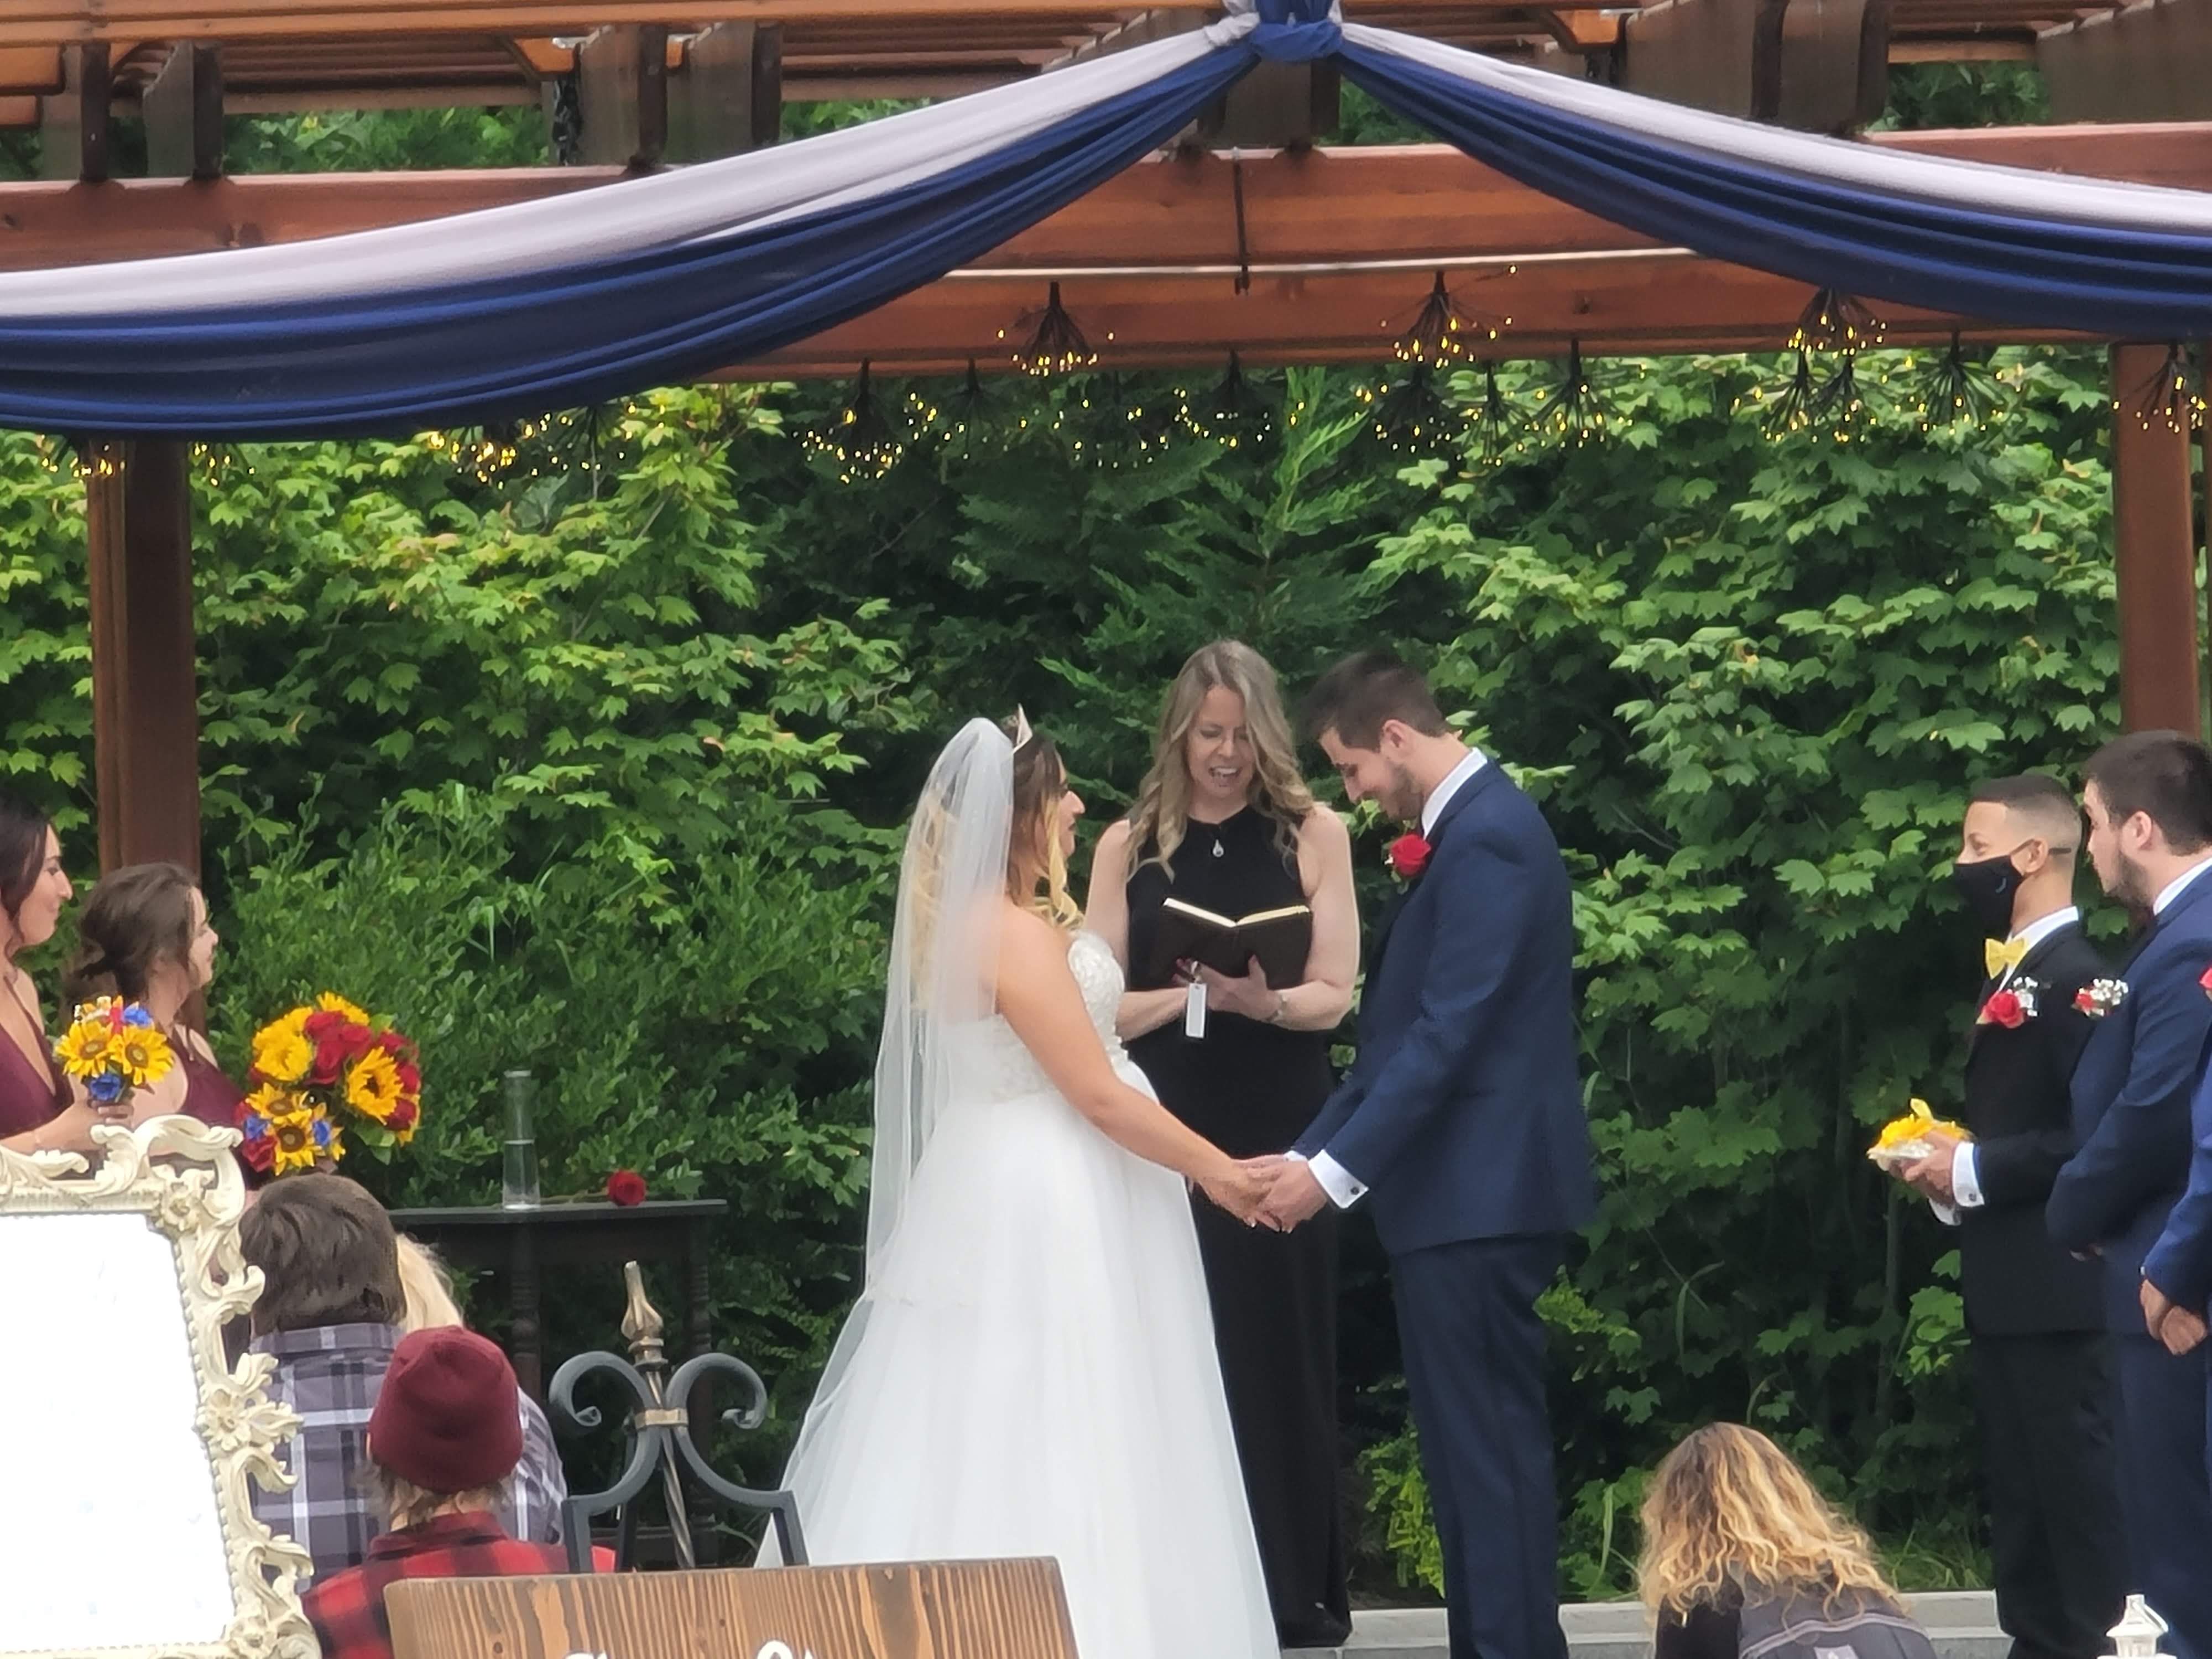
<point x="2035" y="1318"/>
<point x="2148" y="797"/>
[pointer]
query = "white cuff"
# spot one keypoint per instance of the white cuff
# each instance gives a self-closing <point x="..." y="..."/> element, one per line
<point x="1343" y="1187"/>
<point x="1965" y="1182"/>
<point x="1944" y="1213"/>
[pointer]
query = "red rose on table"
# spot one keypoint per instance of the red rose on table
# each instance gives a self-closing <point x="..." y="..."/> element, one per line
<point x="2004" y="1009"/>
<point x="626" y="1187"/>
<point x="1409" y="855"/>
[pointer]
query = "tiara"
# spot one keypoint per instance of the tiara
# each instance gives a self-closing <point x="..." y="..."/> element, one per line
<point x="1023" y="736"/>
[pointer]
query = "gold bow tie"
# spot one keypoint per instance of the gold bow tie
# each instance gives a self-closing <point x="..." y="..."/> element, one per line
<point x="1998" y="957"/>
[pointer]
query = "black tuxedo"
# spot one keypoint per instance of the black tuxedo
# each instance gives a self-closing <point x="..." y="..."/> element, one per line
<point x="2040" y="1357"/>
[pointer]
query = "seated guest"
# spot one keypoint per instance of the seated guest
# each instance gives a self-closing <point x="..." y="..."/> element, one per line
<point x="40" y="1110"/>
<point x="329" y="1312"/>
<point x="529" y="1501"/>
<point x="1738" y="1548"/>
<point x="445" y="1436"/>
<point x="145" y="936"/>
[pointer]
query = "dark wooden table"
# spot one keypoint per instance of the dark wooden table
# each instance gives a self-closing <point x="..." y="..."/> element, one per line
<point x="522" y="1245"/>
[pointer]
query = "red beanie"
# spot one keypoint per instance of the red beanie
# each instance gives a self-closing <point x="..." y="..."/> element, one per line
<point x="446" y="1418"/>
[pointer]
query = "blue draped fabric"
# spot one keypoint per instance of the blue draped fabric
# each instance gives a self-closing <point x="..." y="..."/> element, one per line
<point x="588" y="333"/>
<point x="1939" y="256"/>
<point x="634" y="285"/>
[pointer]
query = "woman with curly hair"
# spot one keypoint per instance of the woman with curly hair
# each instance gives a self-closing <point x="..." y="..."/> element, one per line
<point x="1739" y="1552"/>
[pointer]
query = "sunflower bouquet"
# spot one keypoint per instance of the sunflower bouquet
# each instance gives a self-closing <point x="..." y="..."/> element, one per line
<point x="113" y="1047"/>
<point x="1909" y="1138"/>
<point x="326" y="1071"/>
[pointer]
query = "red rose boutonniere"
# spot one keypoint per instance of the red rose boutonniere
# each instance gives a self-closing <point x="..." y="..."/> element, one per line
<point x="2011" y="1008"/>
<point x="2205" y="982"/>
<point x="626" y="1187"/>
<point x="1409" y="856"/>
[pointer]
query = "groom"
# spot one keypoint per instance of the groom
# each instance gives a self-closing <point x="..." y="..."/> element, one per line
<point x="1462" y="1124"/>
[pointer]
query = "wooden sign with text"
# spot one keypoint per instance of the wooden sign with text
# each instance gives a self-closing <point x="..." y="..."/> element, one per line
<point x="926" y="1610"/>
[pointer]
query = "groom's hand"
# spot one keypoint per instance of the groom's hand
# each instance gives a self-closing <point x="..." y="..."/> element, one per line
<point x="1295" y="1197"/>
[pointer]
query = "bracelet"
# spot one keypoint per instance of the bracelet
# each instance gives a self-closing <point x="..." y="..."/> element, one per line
<point x="1282" y="1008"/>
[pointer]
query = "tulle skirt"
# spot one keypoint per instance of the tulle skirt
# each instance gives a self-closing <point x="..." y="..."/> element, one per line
<point x="1034" y="1374"/>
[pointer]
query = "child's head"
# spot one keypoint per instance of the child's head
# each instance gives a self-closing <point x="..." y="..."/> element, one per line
<point x="1728" y="1501"/>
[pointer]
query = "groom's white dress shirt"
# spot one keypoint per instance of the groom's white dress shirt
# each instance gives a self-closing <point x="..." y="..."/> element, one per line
<point x="1343" y="1189"/>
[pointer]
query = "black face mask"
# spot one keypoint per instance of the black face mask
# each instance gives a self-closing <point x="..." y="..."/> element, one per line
<point x="1987" y="886"/>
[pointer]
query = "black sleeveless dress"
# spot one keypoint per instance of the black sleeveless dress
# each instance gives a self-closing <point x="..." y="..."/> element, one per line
<point x="1251" y="1089"/>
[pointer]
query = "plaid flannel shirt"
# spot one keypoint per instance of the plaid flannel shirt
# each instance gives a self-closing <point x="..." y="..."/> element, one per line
<point x="330" y="1374"/>
<point x="347" y="1608"/>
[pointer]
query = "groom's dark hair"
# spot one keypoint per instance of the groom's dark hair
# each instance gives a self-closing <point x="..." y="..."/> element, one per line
<point x="1356" y="697"/>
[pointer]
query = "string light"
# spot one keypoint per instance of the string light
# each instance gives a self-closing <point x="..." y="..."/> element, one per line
<point x="1497" y="425"/>
<point x="1234" y="413"/>
<point x="2171" y="397"/>
<point x="1839" y="406"/>
<point x="857" y="440"/>
<point x="1411" y="413"/>
<point x="958" y="420"/>
<point x="1574" y="412"/>
<point x="1054" y="344"/>
<point x="1834" y="321"/>
<point x="1441" y="333"/>
<point x="1954" y="390"/>
<point x="1790" y="409"/>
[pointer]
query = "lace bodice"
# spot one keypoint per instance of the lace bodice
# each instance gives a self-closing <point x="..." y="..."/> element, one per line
<point x="1004" y="1067"/>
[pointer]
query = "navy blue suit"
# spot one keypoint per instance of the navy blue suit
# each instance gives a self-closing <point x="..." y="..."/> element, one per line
<point x="2131" y="1096"/>
<point x="1463" y="1117"/>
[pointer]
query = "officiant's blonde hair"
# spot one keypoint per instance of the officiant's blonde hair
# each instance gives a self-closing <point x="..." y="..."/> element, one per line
<point x="1161" y="817"/>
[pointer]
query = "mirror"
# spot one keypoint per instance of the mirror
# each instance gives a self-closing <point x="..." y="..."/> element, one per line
<point x="131" y="1442"/>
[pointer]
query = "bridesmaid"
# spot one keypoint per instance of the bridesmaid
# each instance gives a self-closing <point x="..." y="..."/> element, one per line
<point x="1223" y="821"/>
<point x="145" y="936"/>
<point x="40" y="1110"/>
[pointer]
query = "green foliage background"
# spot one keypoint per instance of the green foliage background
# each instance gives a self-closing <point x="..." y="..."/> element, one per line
<point x="597" y="768"/>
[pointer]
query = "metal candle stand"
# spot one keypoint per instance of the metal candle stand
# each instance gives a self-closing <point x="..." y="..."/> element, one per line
<point x="659" y="1437"/>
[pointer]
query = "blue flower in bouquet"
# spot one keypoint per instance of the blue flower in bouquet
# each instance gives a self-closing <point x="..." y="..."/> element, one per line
<point x="135" y="1014"/>
<point x="106" y="1087"/>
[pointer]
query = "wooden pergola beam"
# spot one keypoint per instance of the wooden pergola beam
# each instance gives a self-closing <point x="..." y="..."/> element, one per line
<point x="1416" y="202"/>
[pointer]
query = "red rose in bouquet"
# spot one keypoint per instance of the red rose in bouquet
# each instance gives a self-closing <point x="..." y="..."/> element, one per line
<point x="1409" y="855"/>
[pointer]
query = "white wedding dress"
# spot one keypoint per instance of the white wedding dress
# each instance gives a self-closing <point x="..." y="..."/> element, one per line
<point x="1031" y="1370"/>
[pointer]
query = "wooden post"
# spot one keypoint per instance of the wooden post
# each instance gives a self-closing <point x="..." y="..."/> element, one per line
<point x="727" y="98"/>
<point x="145" y="691"/>
<point x="183" y="110"/>
<point x="2154" y="551"/>
<point x="622" y="88"/>
<point x="73" y="125"/>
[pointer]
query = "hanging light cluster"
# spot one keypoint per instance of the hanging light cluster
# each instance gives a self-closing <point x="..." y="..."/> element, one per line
<point x="1441" y="332"/>
<point x="1049" y="342"/>
<point x="1954" y="389"/>
<point x="2171" y="398"/>
<point x="857" y="439"/>
<point x="1834" y="324"/>
<point x="1576" y="411"/>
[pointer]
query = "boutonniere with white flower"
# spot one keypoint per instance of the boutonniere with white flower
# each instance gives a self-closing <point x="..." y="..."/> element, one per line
<point x="2013" y="1006"/>
<point x="2100" y="996"/>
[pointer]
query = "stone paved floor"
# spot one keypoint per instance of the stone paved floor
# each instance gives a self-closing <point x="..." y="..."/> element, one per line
<point x="1964" y="1624"/>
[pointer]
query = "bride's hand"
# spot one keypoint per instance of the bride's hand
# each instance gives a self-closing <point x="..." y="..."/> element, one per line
<point x="1242" y="1189"/>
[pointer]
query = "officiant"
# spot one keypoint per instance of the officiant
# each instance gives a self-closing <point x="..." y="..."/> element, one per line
<point x="1225" y="822"/>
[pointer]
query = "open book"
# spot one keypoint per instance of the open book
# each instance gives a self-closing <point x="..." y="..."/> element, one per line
<point x="1281" y="939"/>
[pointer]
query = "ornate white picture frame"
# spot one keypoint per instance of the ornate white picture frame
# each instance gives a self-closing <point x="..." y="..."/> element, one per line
<point x="128" y="1530"/>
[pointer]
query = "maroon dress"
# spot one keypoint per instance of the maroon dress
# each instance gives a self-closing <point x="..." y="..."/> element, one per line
<point x="209" y="1095"/>
<point x="28" y="1098"/>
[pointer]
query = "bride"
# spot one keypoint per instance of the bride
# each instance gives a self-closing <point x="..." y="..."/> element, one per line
<point x="1030" y="1368"/>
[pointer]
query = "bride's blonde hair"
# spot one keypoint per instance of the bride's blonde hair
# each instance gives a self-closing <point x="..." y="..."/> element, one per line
<point x="1040" y="787"/>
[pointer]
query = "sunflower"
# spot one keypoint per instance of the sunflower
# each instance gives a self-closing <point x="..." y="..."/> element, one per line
<point x="373" y="1085"/>
<point x="297" y="1136"/>
<point x="84" y="1048"/>
<point x="331" y="1003"/>
<point x="142" y="1056"/>
<point x="281" y="1053"/>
